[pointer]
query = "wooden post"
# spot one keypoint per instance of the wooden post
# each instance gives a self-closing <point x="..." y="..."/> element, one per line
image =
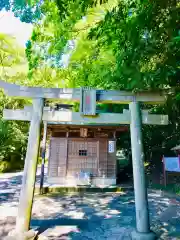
<point x="67" y="142"/>
<point x="164" y="172"/>
<point x="29" y="176"/>
<point x="142" y="213"/>
<point x="43" y="156"/>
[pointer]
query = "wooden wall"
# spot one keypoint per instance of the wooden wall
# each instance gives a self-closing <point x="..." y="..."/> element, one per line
<point x="64" y="159"/>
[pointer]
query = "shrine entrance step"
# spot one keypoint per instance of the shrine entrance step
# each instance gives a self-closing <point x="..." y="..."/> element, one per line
<point x="82" y="189"/>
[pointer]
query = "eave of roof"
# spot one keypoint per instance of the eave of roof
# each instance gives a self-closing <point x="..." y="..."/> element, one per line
<point x="83" y="124"/>
<point x="176" y="148"/>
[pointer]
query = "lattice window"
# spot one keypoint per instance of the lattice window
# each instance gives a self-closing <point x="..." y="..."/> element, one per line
<point x="82" y="152"/>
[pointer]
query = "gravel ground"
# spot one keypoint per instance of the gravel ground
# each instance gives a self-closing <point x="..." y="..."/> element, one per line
<point x="90" y="216"/>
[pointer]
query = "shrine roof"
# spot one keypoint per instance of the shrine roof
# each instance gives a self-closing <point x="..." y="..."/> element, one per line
<point x="116" y="127"/>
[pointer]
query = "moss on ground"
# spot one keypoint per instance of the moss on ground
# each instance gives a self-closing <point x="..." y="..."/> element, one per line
<point x="171" y="188"/>
<point x="77" y="190"/>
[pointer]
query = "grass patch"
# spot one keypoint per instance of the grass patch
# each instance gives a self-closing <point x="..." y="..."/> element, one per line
<point x="171" y="188"/>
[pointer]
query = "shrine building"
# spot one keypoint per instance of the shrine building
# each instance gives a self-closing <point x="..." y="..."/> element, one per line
<point x="82" y="154"/>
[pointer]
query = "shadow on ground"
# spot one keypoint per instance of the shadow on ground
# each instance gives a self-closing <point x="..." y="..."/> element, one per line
<point x="101" y="216"/>
<point x="95" y="216"/>
<point x="10" y="185"/>
<point x="92" y="216"/>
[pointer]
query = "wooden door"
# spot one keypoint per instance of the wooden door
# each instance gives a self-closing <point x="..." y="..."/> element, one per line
<point x="82" y="156"/>
<point x="58" y="157"/>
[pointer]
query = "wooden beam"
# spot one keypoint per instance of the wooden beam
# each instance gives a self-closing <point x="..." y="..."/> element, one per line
<point x="75" y="118"/>
<point x="104" y="96"/>
<point x="62" y="127"/>
<point x="43" y="156"/>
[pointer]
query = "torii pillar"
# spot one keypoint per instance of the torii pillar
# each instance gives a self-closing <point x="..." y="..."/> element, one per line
<point x="29" y="176"/>
<point x="140" y="191"/>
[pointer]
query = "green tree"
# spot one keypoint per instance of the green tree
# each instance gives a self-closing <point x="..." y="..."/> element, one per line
<point x="112" y="45"/>
<point x="13" y="135"/>
<point x="118" y="43"/>
<point x="12" y="58"/>
<point x="127" y="45"/>
<point x="28" y="11"/>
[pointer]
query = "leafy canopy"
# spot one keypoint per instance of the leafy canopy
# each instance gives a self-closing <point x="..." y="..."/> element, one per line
<point x="114" y="44"/>
<point x="13" y="135"/>
<point x="127" y="45"/>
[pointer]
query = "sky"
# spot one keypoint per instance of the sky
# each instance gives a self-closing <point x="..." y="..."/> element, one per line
<point x="22" y="32"/>
<point x="13" y="26"/>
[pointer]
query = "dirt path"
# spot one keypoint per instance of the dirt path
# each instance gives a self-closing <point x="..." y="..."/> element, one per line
<point x="95" y="216"/>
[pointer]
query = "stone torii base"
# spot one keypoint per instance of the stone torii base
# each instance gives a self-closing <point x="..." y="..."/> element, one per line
<point x="143" y="236"/>
<point x="29" y="235"/>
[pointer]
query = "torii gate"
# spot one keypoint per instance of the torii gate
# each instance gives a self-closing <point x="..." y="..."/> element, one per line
<point x="88" y="99"/>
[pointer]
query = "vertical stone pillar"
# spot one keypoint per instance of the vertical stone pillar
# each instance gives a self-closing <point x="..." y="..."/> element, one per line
<point x="142" y="214"/>
<point x="43" y="155"/>
<point x="29" y="176"/>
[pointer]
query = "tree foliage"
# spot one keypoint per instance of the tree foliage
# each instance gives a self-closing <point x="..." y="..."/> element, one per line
<point x="144" y="39"/>
<point x="12" y="57"/>
<point x="127" y="45"/>
<point x="13" y="135"/>
<point x="122" y="44"/>
<point x="27" y="11"/>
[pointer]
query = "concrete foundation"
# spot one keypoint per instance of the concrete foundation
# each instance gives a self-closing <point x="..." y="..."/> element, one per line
<point x="143" y="236"/>
<point x="70" y="181"/>
<point x="29" y="235"/>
